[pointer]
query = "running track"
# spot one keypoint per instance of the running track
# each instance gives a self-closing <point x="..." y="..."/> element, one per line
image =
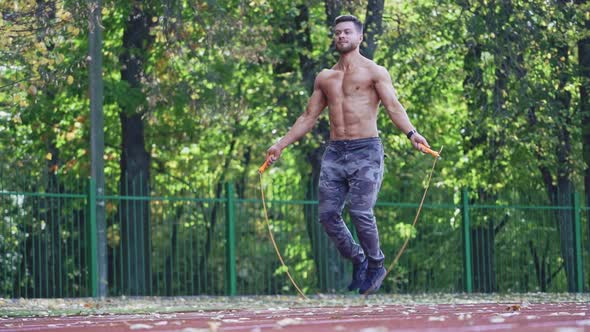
<point x="538" y="317"/>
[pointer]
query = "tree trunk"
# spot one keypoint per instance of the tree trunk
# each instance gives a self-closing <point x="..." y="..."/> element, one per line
<point x="483" y="236"/>
<point x="541" y="266"/>
<point x="373" y="27"/>
<point x="483" y="253"/>
<point x="562" y="196"/>
<point x="558" y="184"/>
<point x="47" y="256"/>
<point x="330" y="268"/>
<point x="50" y="276"/>
<point x="332" y="9"/>
<point x="484" y="274"/>
<point x="584" y="63"/>
<point x="135" y="161"/>
<point x="565" y="186"/>
<point x="171" y="259"/>
<point x="204" y="270"/>
<point x="135" y="239"/>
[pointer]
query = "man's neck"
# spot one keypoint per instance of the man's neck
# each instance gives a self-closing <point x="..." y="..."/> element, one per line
<point x="349" y="60"/>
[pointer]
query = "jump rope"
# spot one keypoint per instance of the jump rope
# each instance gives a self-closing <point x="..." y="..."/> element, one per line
<point x="267" y="163"/>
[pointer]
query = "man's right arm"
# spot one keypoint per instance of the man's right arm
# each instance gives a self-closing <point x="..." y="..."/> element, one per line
<point x="316" y="104"/>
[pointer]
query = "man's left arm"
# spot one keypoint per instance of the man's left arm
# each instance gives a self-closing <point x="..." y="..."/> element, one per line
<point x="394" y="108"/>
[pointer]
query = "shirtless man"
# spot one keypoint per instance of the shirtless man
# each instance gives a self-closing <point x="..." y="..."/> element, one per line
<point x="352" y="165"/>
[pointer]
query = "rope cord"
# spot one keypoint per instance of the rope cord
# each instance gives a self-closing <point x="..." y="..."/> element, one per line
<point x="403" y="248"/>
<point x="272" y="239"/>
<point x="399" y="253"/>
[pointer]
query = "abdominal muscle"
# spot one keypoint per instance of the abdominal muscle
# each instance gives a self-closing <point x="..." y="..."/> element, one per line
<point x="353" y="119"/>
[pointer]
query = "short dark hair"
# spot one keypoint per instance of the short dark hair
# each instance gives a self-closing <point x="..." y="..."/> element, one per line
<point x="349" y="18"/>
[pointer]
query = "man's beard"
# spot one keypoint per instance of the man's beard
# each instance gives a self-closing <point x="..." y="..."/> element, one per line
<point x="345" y="49"/>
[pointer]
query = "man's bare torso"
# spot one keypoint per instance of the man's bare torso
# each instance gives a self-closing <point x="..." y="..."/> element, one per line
<point x="352" y="100"/>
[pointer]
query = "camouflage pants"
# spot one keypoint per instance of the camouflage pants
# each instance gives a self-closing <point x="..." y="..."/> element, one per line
<point x="352" y="171"/>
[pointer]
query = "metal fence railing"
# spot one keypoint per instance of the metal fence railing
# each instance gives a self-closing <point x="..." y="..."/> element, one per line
<point x="188" y="245"/>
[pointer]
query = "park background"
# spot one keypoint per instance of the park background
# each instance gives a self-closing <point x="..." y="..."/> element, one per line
<point x="131" y="133"/>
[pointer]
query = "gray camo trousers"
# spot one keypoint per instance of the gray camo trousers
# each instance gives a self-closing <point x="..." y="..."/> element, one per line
<point x="352" y="171"/>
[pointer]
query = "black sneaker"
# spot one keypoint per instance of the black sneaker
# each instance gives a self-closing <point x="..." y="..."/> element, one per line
<point x="373" y="281"/>
<point x="359" y="271"/>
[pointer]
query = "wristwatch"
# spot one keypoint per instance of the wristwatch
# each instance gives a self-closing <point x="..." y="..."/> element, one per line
<point x="411" y="132"/>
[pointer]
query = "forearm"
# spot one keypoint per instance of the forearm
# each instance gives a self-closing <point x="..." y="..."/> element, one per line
<point x="301" y="127"/>
<point x="400" y="118"/>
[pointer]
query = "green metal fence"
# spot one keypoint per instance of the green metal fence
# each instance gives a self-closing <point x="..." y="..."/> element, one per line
<point x="44" y="237"/>
<point x="217" y="244"/>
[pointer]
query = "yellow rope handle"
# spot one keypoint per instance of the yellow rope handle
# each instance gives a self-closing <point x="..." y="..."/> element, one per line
<point x="272" y="238"/>
<point x="403" y="248"/>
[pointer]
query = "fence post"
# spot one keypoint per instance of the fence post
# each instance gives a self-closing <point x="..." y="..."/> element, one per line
<point x="93" y="268"/>
<point x="230" y="247"/>
<point x="578" y="244"/>
<point x="466" y="228"/>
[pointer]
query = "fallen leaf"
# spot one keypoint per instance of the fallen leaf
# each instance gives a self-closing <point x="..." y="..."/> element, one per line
<point x="214" y="326"/>
<point x="375" y="329"/>
<point x="497" y="319"/>
<point x="563" y="313"/>
<point x="509" y="314"/>
<point x="289" y="321"/>
<point x="463" y="316"/>
<point x="437" y="318"/>
<point x="515" y="307"/>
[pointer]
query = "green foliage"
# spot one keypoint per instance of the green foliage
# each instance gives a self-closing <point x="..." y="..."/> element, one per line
<point x="224" y="80"/>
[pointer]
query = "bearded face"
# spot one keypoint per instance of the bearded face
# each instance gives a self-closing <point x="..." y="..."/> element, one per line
<point x="346" y="37"/>
<point x="345" y="47"/>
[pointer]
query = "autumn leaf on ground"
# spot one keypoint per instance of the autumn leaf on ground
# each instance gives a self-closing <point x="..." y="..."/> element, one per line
<point x="140" y="327"/>
<point x="515" y="307"/>
<point x="289" y="321"/>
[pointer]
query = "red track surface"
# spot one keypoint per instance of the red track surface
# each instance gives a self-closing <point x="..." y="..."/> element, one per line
<point x="555" y="317"/>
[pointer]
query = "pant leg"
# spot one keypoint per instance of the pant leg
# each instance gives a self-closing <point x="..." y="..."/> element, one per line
<point x="365" y="181"/>
<point x="333" y="190"/>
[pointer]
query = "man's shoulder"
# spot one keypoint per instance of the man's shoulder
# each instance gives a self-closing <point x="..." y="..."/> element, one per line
<point x="324" y="74"/>
<point x="374" y="67"/>
<point x="378" y="72"/>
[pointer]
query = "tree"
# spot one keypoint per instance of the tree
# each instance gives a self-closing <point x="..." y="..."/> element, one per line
<point x="584" y="64"/>
<point x="556" y="159"/>
<point x="135" y="160"/>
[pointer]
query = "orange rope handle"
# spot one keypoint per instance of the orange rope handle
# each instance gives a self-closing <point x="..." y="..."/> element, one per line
<point x="403" y="248"/>
<point x="264" y="166"/>
<point x="272" y="238"/>
<point x="429" y="150"/>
